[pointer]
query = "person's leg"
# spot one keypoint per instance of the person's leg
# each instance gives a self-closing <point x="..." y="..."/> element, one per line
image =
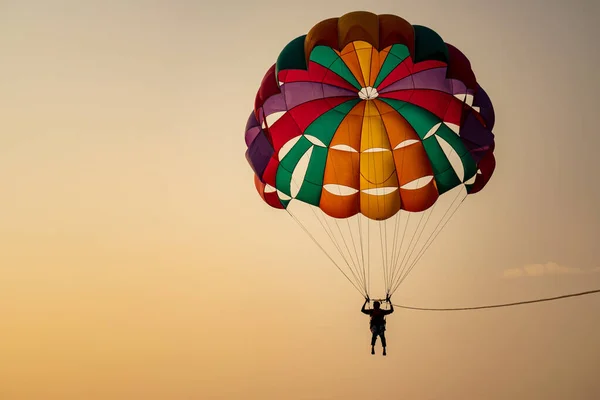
<point x="373" y="341"/>
<point x="383" y="342"/>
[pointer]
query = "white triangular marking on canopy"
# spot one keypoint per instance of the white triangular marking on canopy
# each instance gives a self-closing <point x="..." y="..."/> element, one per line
<point x="471" y="180"/>
<point x="283" y="196"/>
<point x="272" y="118"/>
<point x="343" y="147"/>
<point x="375" y="150"/>
<point x="380" y="191"/>
<point x="287" y="147"/>
<point x="455" y="128"/>
<point x="340" y="190"/>
<point x="315" y="140"/>
<point x="405" y="143"/>
<point x="453" y="158"/>
<point x="300" y="172"/>
<point x="417" y="183"/>
<point x="433" y="130"/>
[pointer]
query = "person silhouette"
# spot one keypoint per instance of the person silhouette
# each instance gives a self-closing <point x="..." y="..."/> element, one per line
<point x="377" y="322"/>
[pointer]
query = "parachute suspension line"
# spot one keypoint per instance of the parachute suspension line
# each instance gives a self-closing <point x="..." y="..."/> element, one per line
<point x="324" y="251"/>
<point x="369" y="247"/>
<point x="347" y="248"/>
<point x="387" y="257"/>
<point x="394" y="235"/>
<point x="368" y="197"/>
<point x="363" y="264"/>
<point x="407" y="264"/>
<point x="426" y="246"/>
<point x="434" y="235"/>
<point x="400" y="270"/>
<point x="383" y="254"/>
<point x="361" y="271"/>
<point x="366" y="271"/>
<point x="353" y="268"/>
<point x="362" y="253"/>
<point x="382" y="242"/>
<point x="399" y="266"/>
<point x="331" y="236"/>
<point x="399" y="215"/>
<point x="517" y="303"/>
<point x="409" y="255"/>
<point x="398" y="262"/>
<point x="384" y="247"/>
<point x="362" y="257"/>
<point x="402" y="240"/>
<point x="383" y="231"/>
<point x="358" y="260"/>
<point x="394" y="258"/>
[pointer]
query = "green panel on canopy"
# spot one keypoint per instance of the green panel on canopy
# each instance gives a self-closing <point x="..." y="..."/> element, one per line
<point x="443" y="171"/>
<point x="397" y="54"/>
<point x="310" y="187"/>
<point x="420" y="119"/>
<point x="283" y="180"/>
<point x="469" y="165"/>
<point x="329" y="59"/>
<point x="310" y="193"/>
<point x="293" y="156"/>
<point x="316" y="166"/>
<point x="446" y="181"/>
<point x="324" y="127"/>
<point x="283" y="177"/>
<point x="429" y="45"/>
<point x="452" y="138"/>
<point x="437" y="157"/>
<point x="292" y="56"/>
<point x="284" y="203"/>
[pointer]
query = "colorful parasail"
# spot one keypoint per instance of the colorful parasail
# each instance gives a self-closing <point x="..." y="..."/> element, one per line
<point x="368" y="118"/>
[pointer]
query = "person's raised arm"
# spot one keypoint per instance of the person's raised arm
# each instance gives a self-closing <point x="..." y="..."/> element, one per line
<point x="389" y="301"/>
<point x="364" y="309"/>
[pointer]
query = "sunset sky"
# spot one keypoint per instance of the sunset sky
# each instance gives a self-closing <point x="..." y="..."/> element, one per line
<point x="137" y="260"/>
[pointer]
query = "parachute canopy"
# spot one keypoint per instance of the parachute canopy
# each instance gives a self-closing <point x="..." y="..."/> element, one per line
<point x="368" y="116"/>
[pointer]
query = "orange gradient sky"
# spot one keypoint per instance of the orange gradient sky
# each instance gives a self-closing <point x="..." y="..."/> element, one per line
<point x="138" y="262"/>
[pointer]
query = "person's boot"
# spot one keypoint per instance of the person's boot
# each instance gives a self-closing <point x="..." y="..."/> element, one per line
<point x="384" y="353"/>
<point x="372" y="349"/>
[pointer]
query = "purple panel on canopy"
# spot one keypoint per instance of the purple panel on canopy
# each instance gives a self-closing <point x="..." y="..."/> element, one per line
<point x="274" y="104"/>
<point x="433" y="79"/>
<point x="252" y="129"/>
<point x="297" y="93"/>
<point x="334" y="91"/>
<point x="482" y="100"/>
<point x="252" y="122"/>
<point x="251" y="134"/>
<point x="475" y="136"/>
<point x="259" y="153"/>
<point x="458" y="87"/>
<point x="403" y="84"/>
<point x="475" y="132"/>
<point x="476" y="151"/>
